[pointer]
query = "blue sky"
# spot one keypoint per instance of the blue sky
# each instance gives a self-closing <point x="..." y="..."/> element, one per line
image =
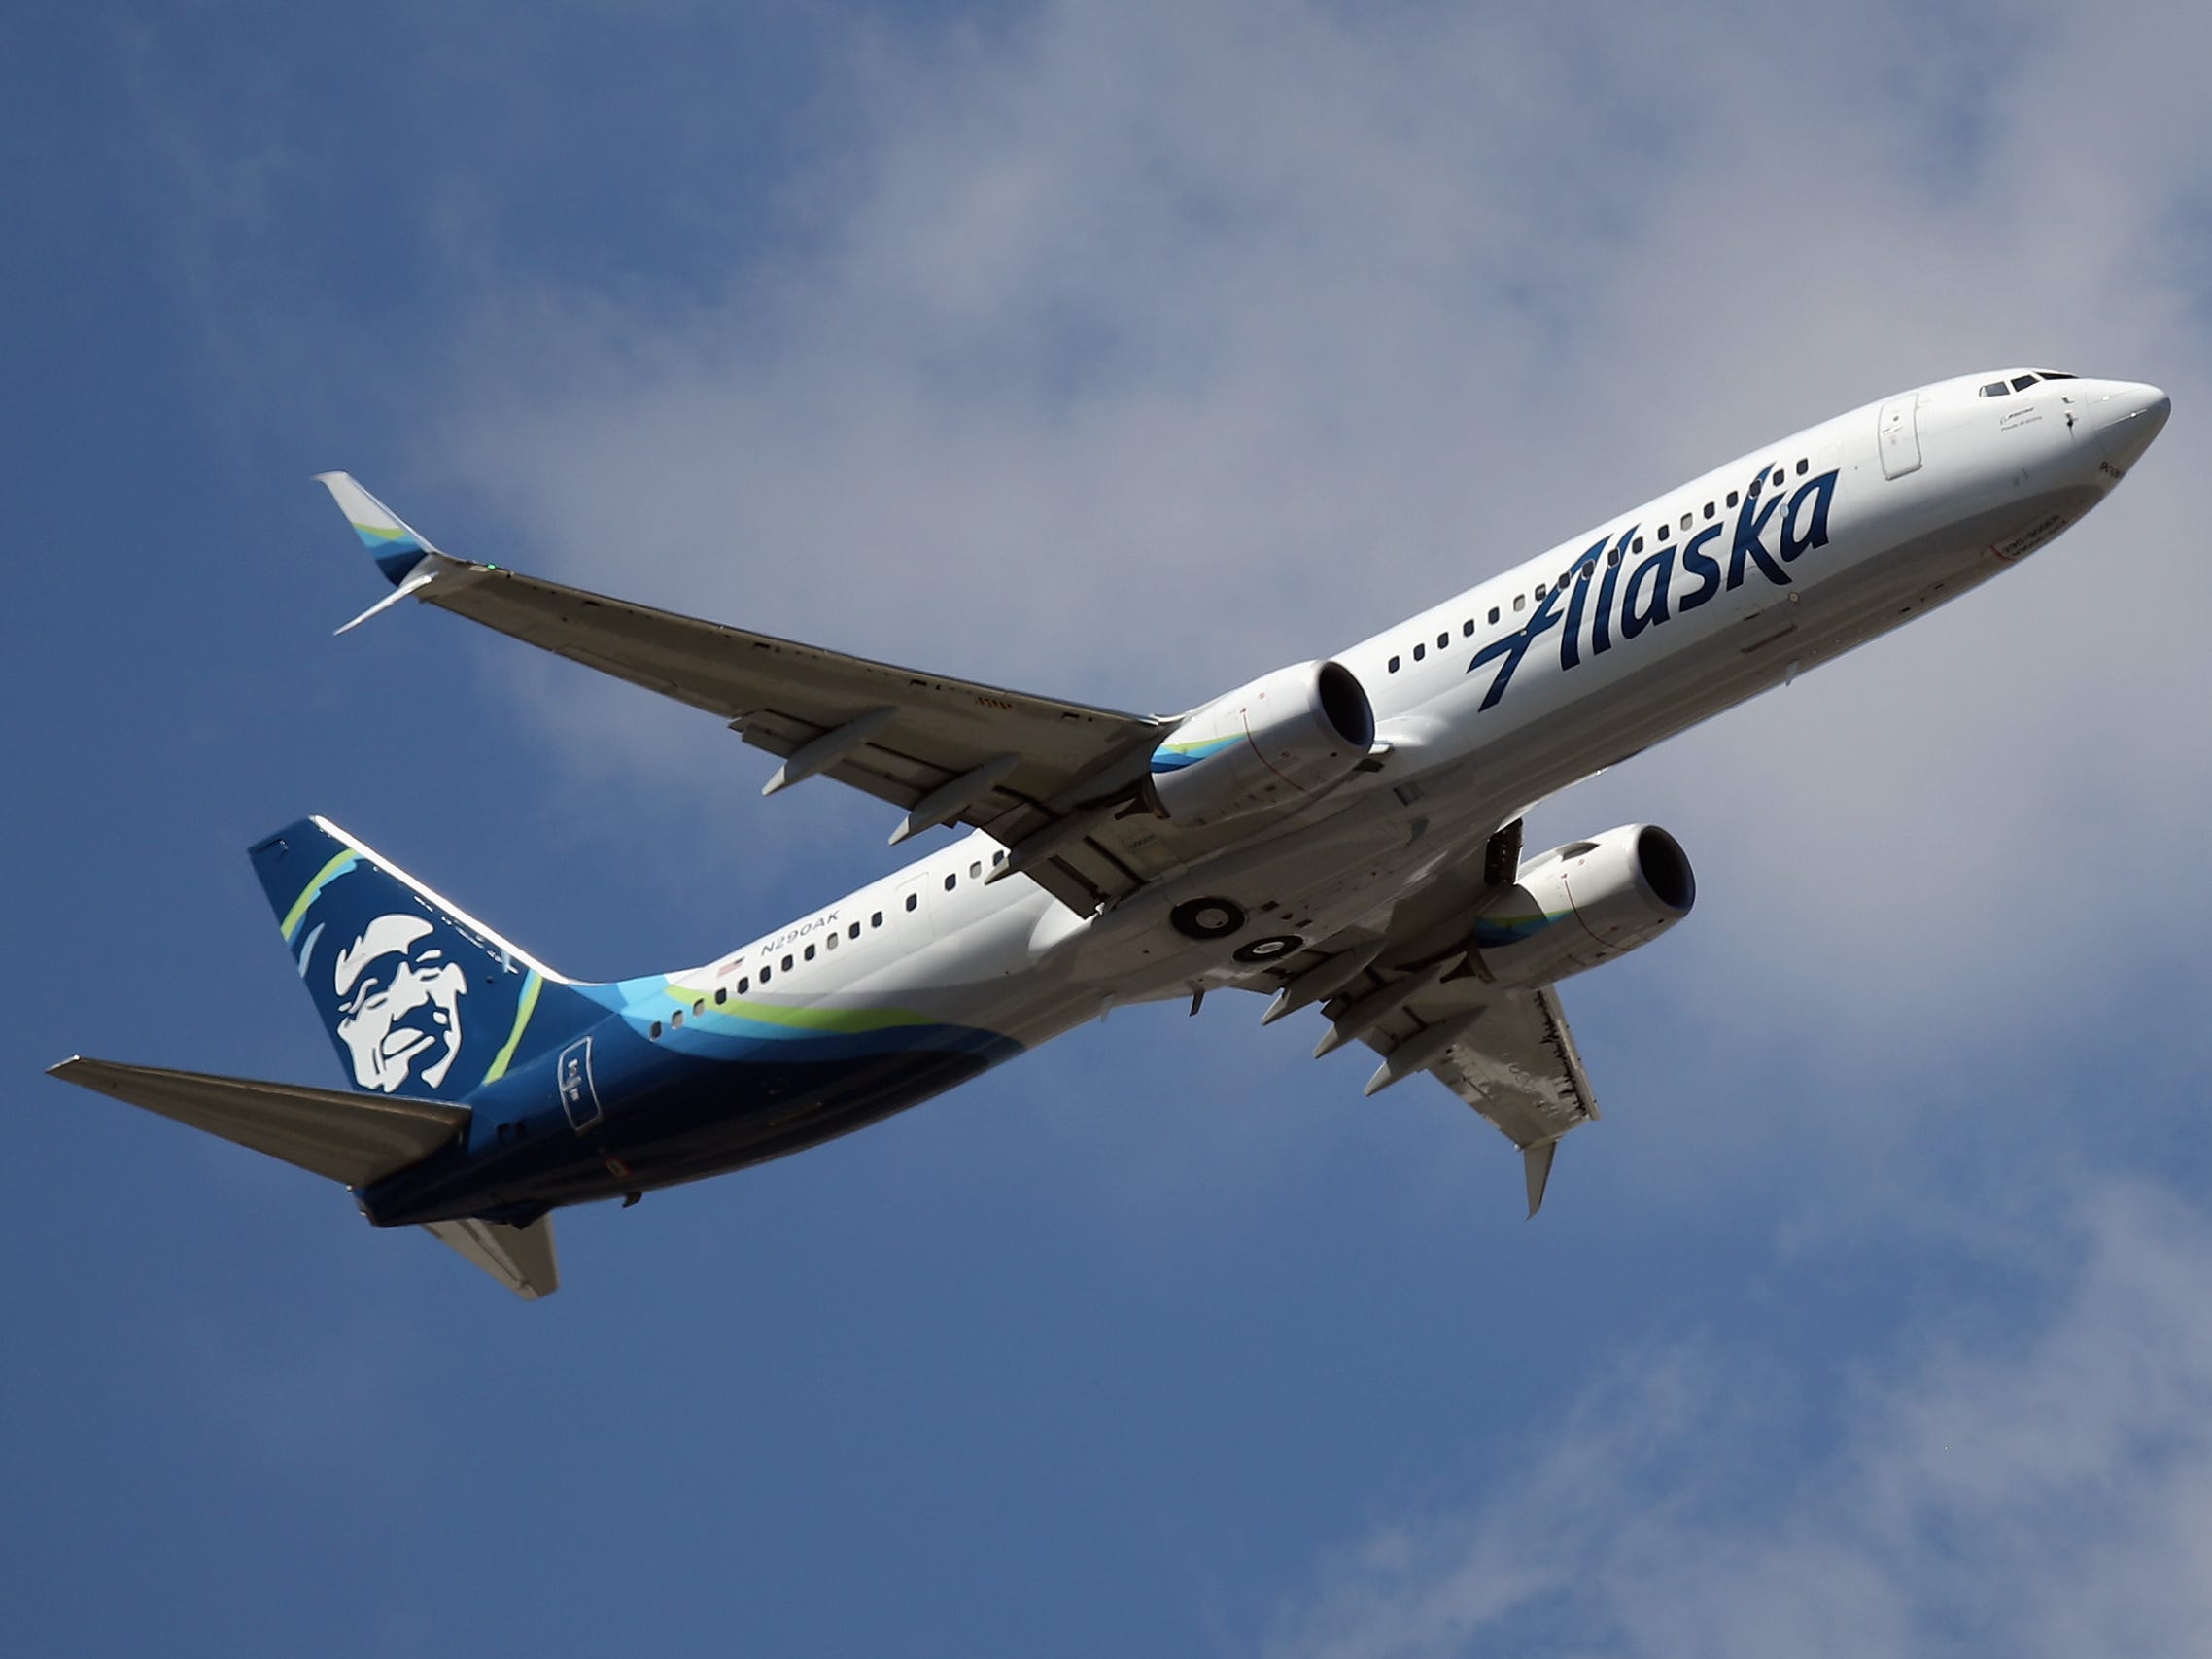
<point x="1120" y="352"/>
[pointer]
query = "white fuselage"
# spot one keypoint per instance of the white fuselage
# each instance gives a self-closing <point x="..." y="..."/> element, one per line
<point x="1931" y="493"/>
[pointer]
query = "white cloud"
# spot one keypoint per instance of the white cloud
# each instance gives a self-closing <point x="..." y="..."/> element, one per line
<point x="1971" y="1487"/>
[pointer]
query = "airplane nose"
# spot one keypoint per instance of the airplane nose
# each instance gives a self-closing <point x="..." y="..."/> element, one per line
<point x="2127" y="416"/>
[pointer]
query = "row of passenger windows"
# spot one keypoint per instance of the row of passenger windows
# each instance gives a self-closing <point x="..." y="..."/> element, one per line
<point x="767" y="971"/>
<point x="2022" y="382"/>
<point x="1665" y="532"/>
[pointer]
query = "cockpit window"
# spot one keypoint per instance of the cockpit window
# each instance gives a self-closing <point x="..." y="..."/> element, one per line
<point x="2055" y="374"/>
<point x="2021" y="383"/>
<point x="1995" y="388"/>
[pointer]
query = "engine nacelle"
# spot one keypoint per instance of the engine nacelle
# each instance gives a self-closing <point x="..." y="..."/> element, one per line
<point x="1583" y="904"/>
<point x="1286" y="736"/>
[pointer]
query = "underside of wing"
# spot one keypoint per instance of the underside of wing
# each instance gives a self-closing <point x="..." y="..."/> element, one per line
<point x="1506" y="1050"/>
<point x="1414" y="994"/>
<point x="946" y="751"/>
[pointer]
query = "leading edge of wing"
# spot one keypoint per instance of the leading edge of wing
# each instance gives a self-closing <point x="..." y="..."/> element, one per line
<point x="547" y="614"/>
<point x="514" y="601"/>
<point x="944" y="750"/>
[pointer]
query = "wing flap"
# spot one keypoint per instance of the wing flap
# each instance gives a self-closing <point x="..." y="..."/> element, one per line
<point x="353" y="1138"/>
<point x="1518" y="1067"/>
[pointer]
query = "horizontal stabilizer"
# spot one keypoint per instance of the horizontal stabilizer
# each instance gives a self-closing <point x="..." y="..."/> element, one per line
<point x="520" y="1257"/>
<point x="353" y="1138"/>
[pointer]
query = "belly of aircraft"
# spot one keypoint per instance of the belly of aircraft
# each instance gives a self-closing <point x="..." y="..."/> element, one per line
<point x="719" y="1117"/>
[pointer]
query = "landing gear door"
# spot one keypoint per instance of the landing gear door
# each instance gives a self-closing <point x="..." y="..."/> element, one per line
<point x="573" y="1077"/>
<point x="1901" y="436"/>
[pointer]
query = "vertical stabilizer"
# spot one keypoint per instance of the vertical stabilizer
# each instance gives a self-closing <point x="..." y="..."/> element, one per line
<point x="420" y="998"/>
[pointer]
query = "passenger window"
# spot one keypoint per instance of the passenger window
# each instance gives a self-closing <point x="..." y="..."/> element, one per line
<point x="1636" y="546"/>
<point x="876" y="920"/>
<point x="809" y="953"/>
<point x="1732" y="497"/>
<point x="786" y="964"/>
<point x="1420" y="653"/>
<point x="976" y="870"/>
<point x="1466" y="627"/>
<point x="721" y="995"/>
<point x="699" y="1006"/>
<point x="1540" y="590"/>
<point x="1394" y="665"/>
<point x="830" y="944"/>
<point x="1520" y="601"/>
<point x="1778" y="477"/>
<point x="1801" y="466"/>
<point x="1662" y="532"/>
<point x="744" y="984"/>
<point x="1582" y="574"/>
<point x="1685" y="521"/>
<point x="1444" y="638"/>
<point x="1613" y="554"/>
<point x="1709" y="509"/>
<point x="654" y="1030"/>
<point x="766" y="973"/>
<point x="1492" y="614"/>
<point x="675" y="1020"/>
<point x="953" y="880"/>
<point x="997" y="859"/>
<point x="913" y="900"/>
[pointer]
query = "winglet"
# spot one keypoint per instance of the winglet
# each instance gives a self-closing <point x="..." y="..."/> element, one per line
<point x="383" y="532"/>
<point x="1536" y="1163"/>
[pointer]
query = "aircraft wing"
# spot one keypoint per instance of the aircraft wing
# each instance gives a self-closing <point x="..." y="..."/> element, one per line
<point x="1506" y="1051"/>
<point x="1021" y="766"/>
<point x="1410" y="996"/>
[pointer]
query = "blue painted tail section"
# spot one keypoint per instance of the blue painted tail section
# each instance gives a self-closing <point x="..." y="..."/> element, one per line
<point x="419" y="997"/>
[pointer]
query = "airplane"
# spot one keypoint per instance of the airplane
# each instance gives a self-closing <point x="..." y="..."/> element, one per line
<point x="1344" y="833"/>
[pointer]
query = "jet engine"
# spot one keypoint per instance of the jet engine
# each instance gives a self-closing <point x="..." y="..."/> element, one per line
<point x="1583" y="904"/>
<point x="1286" y="736"/>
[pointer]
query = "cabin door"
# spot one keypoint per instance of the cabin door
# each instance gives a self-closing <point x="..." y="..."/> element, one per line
<point x="1901" y="436"/>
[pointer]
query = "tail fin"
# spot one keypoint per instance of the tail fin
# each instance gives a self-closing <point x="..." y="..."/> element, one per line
<point x="419" y="997"/>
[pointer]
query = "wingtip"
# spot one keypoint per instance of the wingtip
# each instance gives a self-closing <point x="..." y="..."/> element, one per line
<point x="1536" y="1166"/>
<point x="397" y="545"/>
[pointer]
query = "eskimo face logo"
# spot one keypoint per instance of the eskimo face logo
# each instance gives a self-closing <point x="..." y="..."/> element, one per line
<point x="399" y="1003"/>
